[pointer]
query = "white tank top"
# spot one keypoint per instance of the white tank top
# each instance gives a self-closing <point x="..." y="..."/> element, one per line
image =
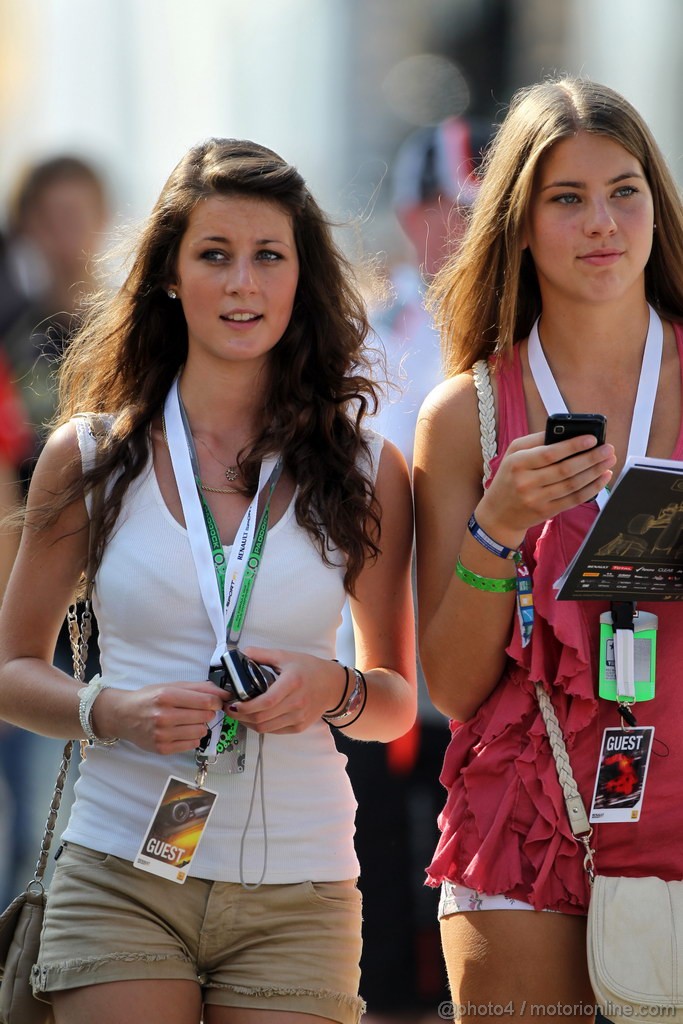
<point x="153" y="629"/>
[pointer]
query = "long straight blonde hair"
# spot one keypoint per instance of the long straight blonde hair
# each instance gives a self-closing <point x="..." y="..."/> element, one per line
<point x="486" y="297"/>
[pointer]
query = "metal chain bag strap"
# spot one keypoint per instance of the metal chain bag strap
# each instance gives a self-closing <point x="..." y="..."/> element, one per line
<point x="21" y="923"/>
<point x="635" y="925"/>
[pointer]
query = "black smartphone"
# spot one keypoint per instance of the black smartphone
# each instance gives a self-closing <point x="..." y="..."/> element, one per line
<point x="561" y="426"/>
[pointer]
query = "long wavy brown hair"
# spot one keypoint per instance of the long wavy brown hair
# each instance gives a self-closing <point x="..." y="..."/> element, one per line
<point x="486" y="298"/>
<point x="132" y="344"/>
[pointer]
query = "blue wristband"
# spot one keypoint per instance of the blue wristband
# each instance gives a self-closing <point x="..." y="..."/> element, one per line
<point x="488" y="542"/>
<point x="524" y="587"/>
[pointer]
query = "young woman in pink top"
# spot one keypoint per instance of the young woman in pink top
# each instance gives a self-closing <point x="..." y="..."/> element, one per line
<point x="579" y="223"/>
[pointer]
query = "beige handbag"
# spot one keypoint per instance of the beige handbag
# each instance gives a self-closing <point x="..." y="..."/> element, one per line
<point x="634" y="947"/>
<point x="20" y="928"/>
<point x="635" y="925"/>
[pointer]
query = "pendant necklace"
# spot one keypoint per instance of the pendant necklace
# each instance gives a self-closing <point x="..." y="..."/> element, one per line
<point x="231" y="472"/>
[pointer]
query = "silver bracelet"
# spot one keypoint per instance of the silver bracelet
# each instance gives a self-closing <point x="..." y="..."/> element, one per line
<point x="87" y="697"/>
<point x="356" y="699"/>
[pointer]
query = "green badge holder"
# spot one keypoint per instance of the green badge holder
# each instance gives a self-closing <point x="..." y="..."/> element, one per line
<point x="645" y="649"/>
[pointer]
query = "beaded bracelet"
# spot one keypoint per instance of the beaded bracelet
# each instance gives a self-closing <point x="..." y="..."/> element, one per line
<point x="493" y="586"/>
<point x="87" y="696"/>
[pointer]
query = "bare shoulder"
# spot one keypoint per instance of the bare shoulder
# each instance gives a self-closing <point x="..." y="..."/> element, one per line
<point x="447" y="482"/>
<point x="63" y="442"/>
<point x="392" y="488"/>
<point x="393" y="467"/>
<point x="448" y="424"/>
<point x="450" y="393"/>
<point x="58" y="466"/>
<point x="53" y="547"/>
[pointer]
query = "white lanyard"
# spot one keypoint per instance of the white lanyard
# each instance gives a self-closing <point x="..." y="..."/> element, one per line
<point x="196" y="528"/>
<point x="645" y="397"/>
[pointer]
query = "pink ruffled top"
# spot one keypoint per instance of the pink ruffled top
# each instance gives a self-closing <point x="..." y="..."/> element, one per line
<point x="504" y="827"/>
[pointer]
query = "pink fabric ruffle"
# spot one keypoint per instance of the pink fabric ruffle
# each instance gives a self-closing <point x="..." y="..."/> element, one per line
<point x="504" y="826"/>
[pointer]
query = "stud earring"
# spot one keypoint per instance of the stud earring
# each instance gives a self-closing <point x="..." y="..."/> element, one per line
<point x="172" y="294"/>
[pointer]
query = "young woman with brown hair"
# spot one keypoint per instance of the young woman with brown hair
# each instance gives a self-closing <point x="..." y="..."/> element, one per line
<point x="244" y="500"/>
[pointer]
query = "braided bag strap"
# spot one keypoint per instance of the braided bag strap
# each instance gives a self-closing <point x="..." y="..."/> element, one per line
<point x="487" y="415"/>
<point x="576" y="810"/>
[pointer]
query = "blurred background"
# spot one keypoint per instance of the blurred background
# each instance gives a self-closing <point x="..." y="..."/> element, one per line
<point x="124" y="87"/>
<point x="334" y="85"/>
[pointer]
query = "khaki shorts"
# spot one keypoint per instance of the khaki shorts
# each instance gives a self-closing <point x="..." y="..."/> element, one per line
<point x="289" y="947"/>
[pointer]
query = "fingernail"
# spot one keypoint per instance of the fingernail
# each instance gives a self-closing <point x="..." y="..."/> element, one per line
<point x="233" y="707"/>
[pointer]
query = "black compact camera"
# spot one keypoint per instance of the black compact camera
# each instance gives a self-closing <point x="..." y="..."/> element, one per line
<point x="241" y="677"/>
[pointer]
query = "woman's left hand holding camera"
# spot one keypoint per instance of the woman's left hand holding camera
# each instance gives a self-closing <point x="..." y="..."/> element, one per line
<point x="305" y="688"/>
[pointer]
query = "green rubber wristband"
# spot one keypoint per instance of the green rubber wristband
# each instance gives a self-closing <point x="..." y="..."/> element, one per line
<point x="493" y="586"/>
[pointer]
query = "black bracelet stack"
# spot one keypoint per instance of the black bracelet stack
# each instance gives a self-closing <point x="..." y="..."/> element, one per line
<point x="342" y="702"/>
<point x="353" y="706"/>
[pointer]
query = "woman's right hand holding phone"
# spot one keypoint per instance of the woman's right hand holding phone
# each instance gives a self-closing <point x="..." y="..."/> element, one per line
<point x="535" y="481"/>
<point x="461" y="625"/>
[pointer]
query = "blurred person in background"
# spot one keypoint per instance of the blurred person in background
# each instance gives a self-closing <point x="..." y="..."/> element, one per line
<point x="12" y="298"/>
<point x="434" y="183"/>
<point x="15" y="444"/>
<point x="57" y="215"/>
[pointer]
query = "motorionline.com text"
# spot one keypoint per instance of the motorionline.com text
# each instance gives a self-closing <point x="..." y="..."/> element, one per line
<point x="461" y="1011"/>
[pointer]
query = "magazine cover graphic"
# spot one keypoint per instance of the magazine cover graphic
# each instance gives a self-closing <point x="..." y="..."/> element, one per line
<point x="634" y="549"/>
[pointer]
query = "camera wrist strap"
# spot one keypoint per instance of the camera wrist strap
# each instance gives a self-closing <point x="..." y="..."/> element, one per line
<point x="645" y="398"/>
